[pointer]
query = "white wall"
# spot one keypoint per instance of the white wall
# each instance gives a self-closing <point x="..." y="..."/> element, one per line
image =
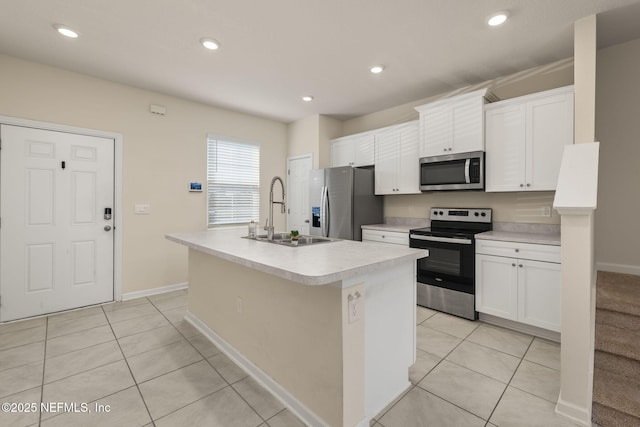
<point x="618" y="130"/>
<point x="161" y="155"/>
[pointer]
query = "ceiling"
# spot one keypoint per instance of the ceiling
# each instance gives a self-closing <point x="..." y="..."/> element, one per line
<point x="273" y="52"/>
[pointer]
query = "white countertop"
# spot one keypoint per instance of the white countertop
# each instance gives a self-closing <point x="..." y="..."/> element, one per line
<point x="318" y="264"/>
<point x="389" y="227"/>
<point x="511" y="236"/>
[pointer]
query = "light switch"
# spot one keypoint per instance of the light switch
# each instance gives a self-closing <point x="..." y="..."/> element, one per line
<point x="142" y="209"/>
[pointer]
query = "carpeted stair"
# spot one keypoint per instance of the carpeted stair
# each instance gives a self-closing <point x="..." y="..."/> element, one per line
<point x="616" y="378"/>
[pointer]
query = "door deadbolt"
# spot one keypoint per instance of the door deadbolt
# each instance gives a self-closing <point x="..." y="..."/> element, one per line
<point x="107" y="213"/>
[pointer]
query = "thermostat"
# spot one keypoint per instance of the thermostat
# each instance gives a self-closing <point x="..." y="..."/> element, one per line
<point x="195" y="186"/>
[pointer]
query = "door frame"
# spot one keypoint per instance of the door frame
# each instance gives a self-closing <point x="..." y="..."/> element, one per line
<point x="289" y="159"/>
<point x="117" y="190"/>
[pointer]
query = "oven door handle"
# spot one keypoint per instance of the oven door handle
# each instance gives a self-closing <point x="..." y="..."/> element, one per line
<point x="441" y="239"/>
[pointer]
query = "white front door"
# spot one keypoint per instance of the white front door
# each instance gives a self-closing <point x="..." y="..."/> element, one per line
<point x="298" y="213"/>
<point x="56" y="246"/>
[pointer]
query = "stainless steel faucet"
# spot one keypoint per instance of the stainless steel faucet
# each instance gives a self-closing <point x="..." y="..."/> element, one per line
<point x="269" y="226"/>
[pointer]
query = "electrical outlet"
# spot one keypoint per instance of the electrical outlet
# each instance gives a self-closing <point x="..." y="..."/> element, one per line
<point x="239" y="307"/>
<point x="546" y="211"/>
<point x="354" y="303"/>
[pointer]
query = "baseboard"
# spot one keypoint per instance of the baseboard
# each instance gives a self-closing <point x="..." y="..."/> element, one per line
<point x="618" y="268"/>
<point x="520" y="327"/>
<point x="154" y="291"/>
<point x="288" y="400"/>
<point x="577" y="414"/>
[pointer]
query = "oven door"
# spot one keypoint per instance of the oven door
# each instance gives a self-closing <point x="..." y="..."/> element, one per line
<point x="450" y="264"/>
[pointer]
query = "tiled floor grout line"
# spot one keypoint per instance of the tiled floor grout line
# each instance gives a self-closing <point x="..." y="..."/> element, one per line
<point x="44" y="367"/>
<point x="443" y="359"/>
<point x="434" y="367"/>
<point x="210" y="364"/>
<point x="510" y="379"/>
<point x="487" y="421"/>
<point x="144" y="402"/>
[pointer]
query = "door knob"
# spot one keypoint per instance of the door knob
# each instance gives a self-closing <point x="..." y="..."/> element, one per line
<point x="107" y="228"/>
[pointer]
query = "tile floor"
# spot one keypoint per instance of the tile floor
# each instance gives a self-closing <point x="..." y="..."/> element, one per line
<point x="141" y="360"/>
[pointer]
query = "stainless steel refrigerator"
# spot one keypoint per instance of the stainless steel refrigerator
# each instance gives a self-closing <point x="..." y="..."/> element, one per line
<point x="341" y="201"/>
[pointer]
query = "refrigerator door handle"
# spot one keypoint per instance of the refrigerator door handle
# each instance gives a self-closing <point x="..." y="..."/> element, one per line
<point x="322" y="210"/>
<point x="327" y="211"/>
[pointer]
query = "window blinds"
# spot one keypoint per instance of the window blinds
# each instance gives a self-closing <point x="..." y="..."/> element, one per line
<point x="233" y="182"/>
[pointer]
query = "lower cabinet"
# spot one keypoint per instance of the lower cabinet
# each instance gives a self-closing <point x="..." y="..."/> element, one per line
<point x="519" y="282"/>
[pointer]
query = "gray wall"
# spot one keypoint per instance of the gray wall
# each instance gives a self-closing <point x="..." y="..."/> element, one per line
<point x="618" y="130"/>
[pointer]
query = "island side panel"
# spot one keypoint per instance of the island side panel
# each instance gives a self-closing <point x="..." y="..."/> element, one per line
<point x="290" y="331"/>
<point x="390" y="334"/>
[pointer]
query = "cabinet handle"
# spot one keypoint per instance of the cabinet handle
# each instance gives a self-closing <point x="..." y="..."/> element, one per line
<point x="521" y="185"/>
<point x="520" y="265"/>
<point x="528" y="185"/>
<point x="517" y="250"/>
<point x="450" y="148"/>
<point x="513" y="265"/>
<point x="444" y="149"/>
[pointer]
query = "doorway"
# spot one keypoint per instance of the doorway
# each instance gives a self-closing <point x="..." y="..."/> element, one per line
<point x="58" y="220"/>
<point x="298" y="214"/>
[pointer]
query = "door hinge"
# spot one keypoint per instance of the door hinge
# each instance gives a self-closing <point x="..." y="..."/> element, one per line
<point x="288" y="171"/>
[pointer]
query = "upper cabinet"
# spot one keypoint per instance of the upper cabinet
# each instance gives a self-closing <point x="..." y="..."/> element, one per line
<point x="453" y="125"/>
<point x="397" y="159"/>
<point x="525" y="138"/>
<point x="353" y="150"/>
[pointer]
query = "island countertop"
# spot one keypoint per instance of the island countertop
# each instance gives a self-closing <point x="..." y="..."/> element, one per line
<point x="318" y="264"/>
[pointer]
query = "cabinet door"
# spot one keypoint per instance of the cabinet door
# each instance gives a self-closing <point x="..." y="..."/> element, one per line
<point x="436" y="131"/>
<point x="539" y="294"/>
<point x="387" y="144"/>
<point x="496" y="286"/>
<point x="342" y="153"/>
<point x="468" y="132"/>
<point x="505" y="148"/>
<point x="364" y="149"/>
<point x="408" y="173"/>
<point x="549" y="129"/>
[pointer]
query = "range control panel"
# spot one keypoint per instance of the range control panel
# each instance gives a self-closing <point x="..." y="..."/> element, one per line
<point x="464" y="215"/>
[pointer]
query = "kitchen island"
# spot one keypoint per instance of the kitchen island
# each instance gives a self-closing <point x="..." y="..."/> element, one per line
<point x="328" y="328"/>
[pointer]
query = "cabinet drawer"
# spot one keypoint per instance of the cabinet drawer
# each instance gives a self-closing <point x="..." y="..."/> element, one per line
<point x="378" y="236"/>
<point x="532" y="251"/>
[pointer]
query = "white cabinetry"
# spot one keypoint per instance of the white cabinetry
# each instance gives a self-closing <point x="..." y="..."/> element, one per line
<point x="397" y="159"/>
<point x="379" y="236"/>
<point x="453" y="125"/>
<point x="353" y="150"/>
<point x="519" y="282"/>
<point x="525" y="138"/>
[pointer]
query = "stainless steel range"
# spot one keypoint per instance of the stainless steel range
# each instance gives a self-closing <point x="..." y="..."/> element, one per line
<point x="446" y="278"/>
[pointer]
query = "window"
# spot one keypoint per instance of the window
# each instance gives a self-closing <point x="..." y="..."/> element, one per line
<point x="233" y="182"/>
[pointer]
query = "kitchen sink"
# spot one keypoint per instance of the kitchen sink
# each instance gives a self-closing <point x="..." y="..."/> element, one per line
<point x="285" y="239"/>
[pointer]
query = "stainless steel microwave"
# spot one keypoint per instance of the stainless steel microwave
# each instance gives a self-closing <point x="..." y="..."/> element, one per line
<point x="463" y="171"/>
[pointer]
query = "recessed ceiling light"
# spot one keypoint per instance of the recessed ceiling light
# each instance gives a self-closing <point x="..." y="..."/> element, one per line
<point x="66" y="31"/>
<point x="498" y="19"/>
<point x="210" y="44"/>
<point x="377" y="69"/>
<point x="307" y="98"/>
